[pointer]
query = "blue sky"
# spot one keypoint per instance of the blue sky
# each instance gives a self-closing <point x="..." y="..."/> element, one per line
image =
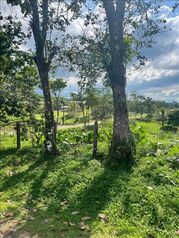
<point x="159" y="79"/>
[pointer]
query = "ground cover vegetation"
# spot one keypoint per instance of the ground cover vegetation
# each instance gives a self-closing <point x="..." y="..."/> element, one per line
<point x="78" y="196"/>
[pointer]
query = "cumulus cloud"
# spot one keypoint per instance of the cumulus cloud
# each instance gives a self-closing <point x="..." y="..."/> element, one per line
<point x="160" y="76"/>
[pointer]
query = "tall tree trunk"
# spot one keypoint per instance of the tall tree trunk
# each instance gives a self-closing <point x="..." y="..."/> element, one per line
<point x="122" y="146"/>
<point x="50" y="135"/>
<point x="39" y="27"/>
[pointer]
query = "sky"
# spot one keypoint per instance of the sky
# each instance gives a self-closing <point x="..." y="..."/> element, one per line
<point x="159" y="78"/>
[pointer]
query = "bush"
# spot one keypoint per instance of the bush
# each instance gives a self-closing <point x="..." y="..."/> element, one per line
<point x="74" y="136"/>
<point x="169" y="129"/>
<point x="173" y="119"/>
<point x="172" y="122"/>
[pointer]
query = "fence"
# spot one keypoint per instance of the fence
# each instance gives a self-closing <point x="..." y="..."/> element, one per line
<point x="12" y="129"/>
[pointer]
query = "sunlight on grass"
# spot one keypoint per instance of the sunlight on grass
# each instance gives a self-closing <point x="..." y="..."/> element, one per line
<point x="52" y="197"/>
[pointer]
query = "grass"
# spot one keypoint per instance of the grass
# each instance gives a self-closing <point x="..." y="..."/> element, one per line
<point x="52" y="197"/>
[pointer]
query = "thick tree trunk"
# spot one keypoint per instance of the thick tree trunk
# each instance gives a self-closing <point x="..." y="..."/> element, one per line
<point x="122" y="146"/>
<point x="50" y="136"/>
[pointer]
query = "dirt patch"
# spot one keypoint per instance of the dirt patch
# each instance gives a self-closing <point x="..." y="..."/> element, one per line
<point x="11" y="229"/>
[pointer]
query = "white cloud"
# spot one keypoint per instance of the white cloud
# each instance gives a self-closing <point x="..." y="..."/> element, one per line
<point x="170" y="93"/>
<point x="160" y="77"/>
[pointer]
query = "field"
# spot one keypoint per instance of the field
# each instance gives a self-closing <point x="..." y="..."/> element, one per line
<point x="74" y="195"/>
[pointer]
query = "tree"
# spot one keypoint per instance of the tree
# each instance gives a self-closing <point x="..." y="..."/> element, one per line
<point x="119" y="14"/>
<point x="137" y="104"/>
<point x="44" y="20"/>
<point x="18" y="96"/>
<point x="116" y="39"/>
<point x="73" y="108"/>
<point x="149" y="107"/>
<point x="18" y="74"/>
<point x="100" y="102"/>
<point x="57" y="86"/>
<point x="173" y="119"/>
<point x="120" y="147"/>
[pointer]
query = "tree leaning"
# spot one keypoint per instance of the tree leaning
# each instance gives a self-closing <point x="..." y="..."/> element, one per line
<point x="45" y="19"/>
<point x="43" y="64"/>
<point x="44" y="54"/>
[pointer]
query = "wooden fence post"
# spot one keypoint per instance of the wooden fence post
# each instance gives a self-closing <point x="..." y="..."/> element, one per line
<point x="18" y="135"/>
<point x="95" y="142"/>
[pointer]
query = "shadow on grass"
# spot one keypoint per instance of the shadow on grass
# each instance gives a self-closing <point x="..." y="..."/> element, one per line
<point x="51" y="205"/>
<point x="21" y="177"/>
<point x="17" y="157"/>
<point x="56" y="220"/>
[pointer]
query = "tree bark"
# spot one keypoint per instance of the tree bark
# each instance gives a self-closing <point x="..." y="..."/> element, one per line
<point x="50" y="135"/>
<point x="121" y="144"/>
<point x="40" y="27"/>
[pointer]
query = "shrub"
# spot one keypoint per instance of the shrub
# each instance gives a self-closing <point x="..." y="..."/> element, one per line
<point x="173" y="119"/>
<point x="172" y="123"/>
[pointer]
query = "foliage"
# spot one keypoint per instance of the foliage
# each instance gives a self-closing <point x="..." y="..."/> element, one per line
<point x="11" y="37"/>
<point x="57" y="86"/>
<point x="100" y="102"/>
<point x="36" y="131"/>
<point x="142" y="105"/>
<point x="70" y="137"/>
<point x="173" y="119"/>
<point x="73" y="109"/>
<point x="18" y="75"/>
<point x="171" y="122"/>
<point x="18" y="95"/>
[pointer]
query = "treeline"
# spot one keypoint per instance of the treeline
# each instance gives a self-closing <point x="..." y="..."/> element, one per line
<point x="147" y="107"/>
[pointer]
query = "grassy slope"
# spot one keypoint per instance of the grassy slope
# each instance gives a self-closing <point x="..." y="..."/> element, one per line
<point x="139" y="203"/>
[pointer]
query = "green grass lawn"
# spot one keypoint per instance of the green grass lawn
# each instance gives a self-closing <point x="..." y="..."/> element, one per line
<point x="74" y="196"/>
